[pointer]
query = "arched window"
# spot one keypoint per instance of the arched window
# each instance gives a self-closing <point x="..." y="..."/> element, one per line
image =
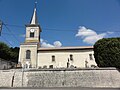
<point x="28" y="54"/>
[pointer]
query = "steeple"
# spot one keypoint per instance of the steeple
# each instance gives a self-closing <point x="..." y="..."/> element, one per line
<point x="33" y="29"/>
<point x="34" y="20"/>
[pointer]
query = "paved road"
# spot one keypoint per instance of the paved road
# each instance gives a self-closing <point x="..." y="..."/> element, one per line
<point x="60" y="88"/>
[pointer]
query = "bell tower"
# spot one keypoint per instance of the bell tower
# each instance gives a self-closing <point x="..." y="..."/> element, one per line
<point x="28" y="49"/>
<point x="33" y="29"/>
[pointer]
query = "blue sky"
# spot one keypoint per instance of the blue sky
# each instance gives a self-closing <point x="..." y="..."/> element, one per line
<point x="69" y="22"/>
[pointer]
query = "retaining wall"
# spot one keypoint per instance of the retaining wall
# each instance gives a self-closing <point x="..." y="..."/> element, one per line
<point x="63" y="78"/>
<point x="6" y="78"/>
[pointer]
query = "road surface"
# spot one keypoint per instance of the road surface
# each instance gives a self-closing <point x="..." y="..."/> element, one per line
<point x="76" y="88"/>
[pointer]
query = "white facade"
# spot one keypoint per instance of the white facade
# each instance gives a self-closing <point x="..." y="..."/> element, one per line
<point x="28" y="62"/>
<point x="77" y="57"/>
<point x="31" y="55"/>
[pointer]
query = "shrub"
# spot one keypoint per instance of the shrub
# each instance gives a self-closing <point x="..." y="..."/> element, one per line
<point x="107" y="52"/>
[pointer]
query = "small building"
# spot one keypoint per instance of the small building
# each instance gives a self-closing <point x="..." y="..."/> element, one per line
<point x="32" y="55"/>
<point x="4" y="64"/>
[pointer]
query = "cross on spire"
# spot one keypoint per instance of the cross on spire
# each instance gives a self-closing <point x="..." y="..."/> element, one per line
<point x="34" y="16"/>
<point x="35" y="3"/>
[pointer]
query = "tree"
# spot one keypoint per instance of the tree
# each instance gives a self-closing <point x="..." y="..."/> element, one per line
<point x="107" y="52"/>
<point x="8" y="53"/>
<point x="14" y="54"/>
<point x="4" y="51"/>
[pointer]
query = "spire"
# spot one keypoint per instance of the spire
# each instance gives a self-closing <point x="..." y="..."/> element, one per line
<point x="34" y="17"/>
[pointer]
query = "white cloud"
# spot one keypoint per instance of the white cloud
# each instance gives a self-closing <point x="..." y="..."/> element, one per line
<point x="90" y="36"/>
<point x="45" y="44"/>
<point x="57" y="44"/>
<point x="94" y="38"/>
<point x="41" y="40"/>
<point x="84" y="32"/>
<point x="110" y="32"/>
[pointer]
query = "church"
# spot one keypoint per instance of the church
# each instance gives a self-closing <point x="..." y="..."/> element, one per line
<point x="32" y="55"/>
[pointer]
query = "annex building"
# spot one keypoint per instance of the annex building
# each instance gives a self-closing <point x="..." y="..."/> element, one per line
<point x="32" y="55"/>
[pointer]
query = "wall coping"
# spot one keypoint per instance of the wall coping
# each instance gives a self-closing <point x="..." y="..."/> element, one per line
<point x="58" y="69"/>
<point x="70" y="69"/>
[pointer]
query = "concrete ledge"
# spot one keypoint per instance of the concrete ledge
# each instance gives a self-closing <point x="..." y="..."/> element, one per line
<point x="70" y="69"/>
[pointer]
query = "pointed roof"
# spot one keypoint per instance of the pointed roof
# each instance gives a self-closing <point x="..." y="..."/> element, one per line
<point x="34" y="20"/>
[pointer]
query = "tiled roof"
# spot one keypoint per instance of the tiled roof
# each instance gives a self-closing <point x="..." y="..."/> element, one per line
<point x="65" y="48"/>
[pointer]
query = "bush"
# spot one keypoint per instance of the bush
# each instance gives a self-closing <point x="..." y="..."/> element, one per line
<point x="107" y="52"/>
<point x="7" y="53"/>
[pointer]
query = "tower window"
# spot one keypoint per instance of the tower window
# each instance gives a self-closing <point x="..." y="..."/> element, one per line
<point x="91" y="57"/>
<point x="53" y="58"/>
<point x="31" y="34"/>
<point x="28" y="54"/>
<point x="71" y="57"/>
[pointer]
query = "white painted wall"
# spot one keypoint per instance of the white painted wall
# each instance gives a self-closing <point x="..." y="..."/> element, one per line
<point x="61" y="58"/>
<point x="22" y="54"/>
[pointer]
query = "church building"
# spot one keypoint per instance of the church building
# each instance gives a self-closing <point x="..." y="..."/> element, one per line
<point x="32" y="55"/>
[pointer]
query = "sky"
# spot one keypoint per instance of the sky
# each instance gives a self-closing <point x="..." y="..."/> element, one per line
<point x="63" y="22"/>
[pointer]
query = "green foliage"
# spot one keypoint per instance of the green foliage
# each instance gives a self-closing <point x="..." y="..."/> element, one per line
<point x="107" y="52"/>
<point x="8" y="53"/>
<point x="14" y="54"/>
<point x="4" y="51"/>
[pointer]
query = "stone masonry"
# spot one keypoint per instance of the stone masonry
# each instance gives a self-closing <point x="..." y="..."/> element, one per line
<point x="62" y="78"/>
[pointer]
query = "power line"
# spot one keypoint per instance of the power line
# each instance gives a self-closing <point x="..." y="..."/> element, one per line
<point x="7" y="41"/>
<point x="18" y="26"/>
<point x="11" y="33"/>
<point x="54" y="29"/>
<point x="48" y="29"/>
<point x="6" y="33"/>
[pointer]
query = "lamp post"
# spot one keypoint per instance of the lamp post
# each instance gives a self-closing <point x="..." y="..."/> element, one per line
<point x="22" y="73"/>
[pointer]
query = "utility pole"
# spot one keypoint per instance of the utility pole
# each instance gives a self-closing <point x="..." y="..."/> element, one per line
<point x="1" y="23"/>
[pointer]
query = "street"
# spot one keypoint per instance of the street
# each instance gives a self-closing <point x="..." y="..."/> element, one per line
<point x="69" y="88"/>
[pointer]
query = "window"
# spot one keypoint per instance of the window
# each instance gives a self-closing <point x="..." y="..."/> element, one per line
<point x="45" y="66"/>
<point x="28" y="54"/>
<point x="51" y="66"/>
<point x="71" y="57"/>
<point x="90" y="55"/>
<point x="31" y="34"/>
<point x="53" y="58"/>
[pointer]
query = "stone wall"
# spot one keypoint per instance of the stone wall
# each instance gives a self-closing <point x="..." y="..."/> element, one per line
<point x="63" y="78"/>
<point x="6" y="78"/>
